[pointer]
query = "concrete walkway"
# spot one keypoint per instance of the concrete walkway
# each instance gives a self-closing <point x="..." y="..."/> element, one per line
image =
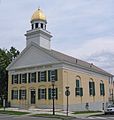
<point x="49" y="111"/>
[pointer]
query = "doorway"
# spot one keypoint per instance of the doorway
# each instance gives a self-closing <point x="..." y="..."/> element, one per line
<point x="33" y="96"/>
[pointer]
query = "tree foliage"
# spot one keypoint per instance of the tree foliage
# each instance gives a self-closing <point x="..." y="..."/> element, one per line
<point x="6" y="58"/>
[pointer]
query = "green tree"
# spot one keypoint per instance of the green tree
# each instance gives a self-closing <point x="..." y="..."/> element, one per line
<point x="6" y="58"/>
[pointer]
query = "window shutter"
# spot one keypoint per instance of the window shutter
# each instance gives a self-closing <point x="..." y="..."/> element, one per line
<point x="12" y="94"/>
<point x="103" y="89"/>
<point x="56" y="91"/>
<point x="93" y="88"/>
<point x="90" y="88"/>
<point x="39" y="94"/>
<point x="56" y="75"/>
<point x="100" y="88"/>
<point x="19" y="94"/>
<point x="25" y="77"/>
<point x="81" y="92"/>
<point x="20" y="78"/>
<point x="17" y="79"/>
<point x="12" y="79"/>
<point x="45" y="94"/>
<point x="45" y="76"/>
<point x="38" y="76"/>
<point x="49" y="75"/>
<point x="35" y="77"/>
<point x="49" y="93"/>
<point x="29" y="77"/>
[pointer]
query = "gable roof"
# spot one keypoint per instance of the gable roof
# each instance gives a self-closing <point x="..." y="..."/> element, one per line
<point x="64" y="58"/>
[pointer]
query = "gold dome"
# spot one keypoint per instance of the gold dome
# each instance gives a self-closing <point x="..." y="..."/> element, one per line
<point x="38" y="15"/>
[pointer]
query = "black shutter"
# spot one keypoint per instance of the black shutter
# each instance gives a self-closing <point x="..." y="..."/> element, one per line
<point x="90" y="93"/>
<point x="56" y="75"/>
<point x="12" y="78"/>
<point x="56" y="91"/>
<point x="12" y="94"/>
<point x="38" y="76"/>
<point x="19" y="94"/>
<point x="25" y="94"/>
<point x="81" y="92"/>
<point x="29" y="77"/>
<point x="49" y="75"/>
<point x="20" y="78"/>
<point x="45" y="76"/>
<point x="35" y="77"/>
<point x="49" y="93"/>
<point x="45" y="94"/>
<point x="39" y="94"/>
<point x="100" y="88"/>
<point x="103" y="89"/>
<point x="25" y="77"/>
<point x="93" y="88"/>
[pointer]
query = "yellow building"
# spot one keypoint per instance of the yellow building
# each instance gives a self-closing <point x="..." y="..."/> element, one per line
<point x="32" y="73"/>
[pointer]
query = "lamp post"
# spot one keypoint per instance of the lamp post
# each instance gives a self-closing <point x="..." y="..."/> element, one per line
<point x="4" y="102"/>
<point x="53" y="96"/>
<point x="67" y="93"/>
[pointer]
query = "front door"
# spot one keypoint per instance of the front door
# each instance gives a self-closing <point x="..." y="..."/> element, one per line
<point x="33" y="97"/>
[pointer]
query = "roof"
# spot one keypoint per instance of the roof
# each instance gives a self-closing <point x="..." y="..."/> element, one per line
<point x="65" y="59"/>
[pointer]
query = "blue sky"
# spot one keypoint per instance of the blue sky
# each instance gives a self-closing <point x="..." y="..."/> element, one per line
<point x="81" y="28"/>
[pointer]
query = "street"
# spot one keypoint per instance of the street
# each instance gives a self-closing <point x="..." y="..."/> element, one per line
<point x="11" y="117"/>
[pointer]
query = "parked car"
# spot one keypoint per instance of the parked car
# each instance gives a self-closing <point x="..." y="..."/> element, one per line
<point x="109" y="110"/>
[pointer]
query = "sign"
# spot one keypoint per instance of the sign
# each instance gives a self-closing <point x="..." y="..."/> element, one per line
<point x="67" y="92"/>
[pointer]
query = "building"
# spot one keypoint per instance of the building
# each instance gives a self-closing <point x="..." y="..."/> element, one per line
<point x="32" y="72"/>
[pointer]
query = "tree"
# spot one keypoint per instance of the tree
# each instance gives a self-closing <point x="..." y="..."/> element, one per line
<point x="6" y="58"/>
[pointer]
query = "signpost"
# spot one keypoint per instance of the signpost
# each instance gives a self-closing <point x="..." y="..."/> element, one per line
<point x="67" y="93"/>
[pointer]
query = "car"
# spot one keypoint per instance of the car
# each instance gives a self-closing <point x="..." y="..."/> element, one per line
<point x="109" y="110"/>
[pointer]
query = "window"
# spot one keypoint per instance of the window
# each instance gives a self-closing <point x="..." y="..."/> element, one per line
<point x="22" y="94"/>
<point x="36" y="25"/>
<point x="50" y="93"/>
<point x="41" y="25"/>
<point x="41" y="93"/>
<point x="42" y="76"/>
<point x="23" y="78"/>
<point x="91" y="88"/>
<point x="52" y="75"/>
<point x="14" y="94"/>
<point x="102" y="89"/>
<point x="14" y="79"/>
<point x="78" y="89"/>
<point x="32" y="77"/>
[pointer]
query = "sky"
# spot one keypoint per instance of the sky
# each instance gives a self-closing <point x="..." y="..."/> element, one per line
<point x="81" y="28"/>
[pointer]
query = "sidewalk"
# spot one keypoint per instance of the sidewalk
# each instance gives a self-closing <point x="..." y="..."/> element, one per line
<point x="49" y="111"/>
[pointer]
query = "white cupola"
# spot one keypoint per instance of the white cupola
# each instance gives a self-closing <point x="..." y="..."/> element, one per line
<point x="38" y="32"/>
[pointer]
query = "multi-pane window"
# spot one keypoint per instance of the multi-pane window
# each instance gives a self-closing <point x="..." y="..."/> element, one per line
<point x="14" y="79"/>
<point x="102" y="89"/>
<point x="23" y="78"/>
<point x="14" y="94"/>
<point x="91" y="88"/>
<point x="41" y="93"/>
<point x="22" y="94"/>
<point x="78" y="89"/>
<point x="32" y="77"/>
<point x="52" y="93"/>
<point x="42" y="76"/>
<point x="52" y="75"/>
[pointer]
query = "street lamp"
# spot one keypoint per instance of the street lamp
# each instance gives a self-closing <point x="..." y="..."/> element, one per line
<point x="67" y="93"/>
<point x="53" y="95"/>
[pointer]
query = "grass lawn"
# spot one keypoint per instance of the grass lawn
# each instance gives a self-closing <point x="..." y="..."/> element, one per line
<point x="13" y="112"/>
<point x="85" y="112"/>
<point x="61" y="117"/>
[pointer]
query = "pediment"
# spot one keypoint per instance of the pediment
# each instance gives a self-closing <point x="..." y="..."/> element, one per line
<point x="32" y="56"/>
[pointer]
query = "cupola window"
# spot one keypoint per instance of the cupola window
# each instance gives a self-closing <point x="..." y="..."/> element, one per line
<point x="41" y="25"/>
<point x="36" y="25"/>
